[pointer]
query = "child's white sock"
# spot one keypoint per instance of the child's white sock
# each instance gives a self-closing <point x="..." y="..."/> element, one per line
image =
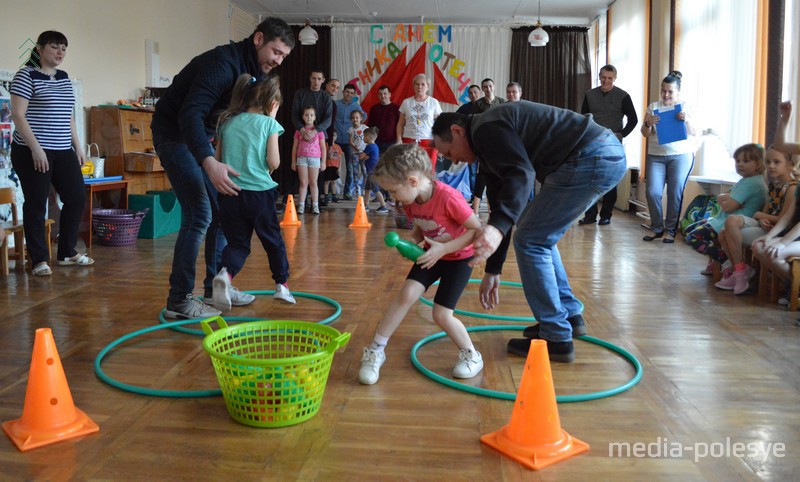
<point x="379" y="343"/>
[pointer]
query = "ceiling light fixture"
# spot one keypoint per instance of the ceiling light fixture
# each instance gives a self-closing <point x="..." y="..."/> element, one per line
<point x="538" y="37"/>
<point x="308" y="36"/>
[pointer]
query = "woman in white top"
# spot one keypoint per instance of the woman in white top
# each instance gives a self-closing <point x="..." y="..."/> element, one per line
<point x="417" y="114"/>
<point x="670" y="163"/>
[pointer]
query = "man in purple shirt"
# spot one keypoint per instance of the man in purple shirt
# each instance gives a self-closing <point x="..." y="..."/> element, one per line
<point x="384" y="116"/>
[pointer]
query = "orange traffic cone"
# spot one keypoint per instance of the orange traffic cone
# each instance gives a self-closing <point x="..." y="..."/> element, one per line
<point x="290" y="214"/>
<point x="49" y="414"/>
<point x="534" y="437"/>
<point x="360" y="219"/>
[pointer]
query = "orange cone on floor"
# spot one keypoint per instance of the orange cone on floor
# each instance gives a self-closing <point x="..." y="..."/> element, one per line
<point x="534" y="436"/>
<point x="290" y="214"/>
<point x="360" y="219"/>
<point x="49" y="414"/>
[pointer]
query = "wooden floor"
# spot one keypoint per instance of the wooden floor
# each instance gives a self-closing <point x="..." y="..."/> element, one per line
<point x="720" y="372"/>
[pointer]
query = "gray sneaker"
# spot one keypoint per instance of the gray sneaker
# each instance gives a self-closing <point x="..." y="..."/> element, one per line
<point x="190" y="308"/>
<point x="282" y="293"/>
<point x="371" y="363"/>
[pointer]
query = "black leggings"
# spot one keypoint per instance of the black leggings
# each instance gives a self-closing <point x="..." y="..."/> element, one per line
<point x="65" y="175"/>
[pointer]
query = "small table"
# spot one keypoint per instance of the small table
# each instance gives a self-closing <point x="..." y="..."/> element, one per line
<point x="715" y="185"/>
<point x="91" y="189"/>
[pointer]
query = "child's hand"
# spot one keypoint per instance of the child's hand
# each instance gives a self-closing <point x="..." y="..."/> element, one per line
<point x="765" y="224"/>
<point x="774" y="250"/>
<point x="785" y="108"/>
<point x="433" y="254"/>
<point x="294" y="166"/>
<point x="653" y="119"/>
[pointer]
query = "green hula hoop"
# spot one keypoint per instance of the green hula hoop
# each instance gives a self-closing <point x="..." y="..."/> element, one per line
<point x="299" y="294"/>
<point x="486" y="316"/>
<point x="178" y="326"/>
<point x="583" y="397"/>
<point x="142" y="390"/>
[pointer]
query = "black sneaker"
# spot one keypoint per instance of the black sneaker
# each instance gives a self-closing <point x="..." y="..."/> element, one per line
<point x="557" y="351"/>
<point x="578" y="328"/>
<point x="587" y="221"/>
<point x="604" y="221"/>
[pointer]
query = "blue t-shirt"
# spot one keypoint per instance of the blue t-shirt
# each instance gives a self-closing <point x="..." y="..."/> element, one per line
<point x="751" y="193"/>
<point x="373" y="152"/>
<point x="244" y="148"/>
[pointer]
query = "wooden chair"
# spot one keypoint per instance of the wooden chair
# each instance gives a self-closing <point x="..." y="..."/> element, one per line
<point x="771" y="287"/>
<point x="795" y="287"/>
<point x="14" y="227"/>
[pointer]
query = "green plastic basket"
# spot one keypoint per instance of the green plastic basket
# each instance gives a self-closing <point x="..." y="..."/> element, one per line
<point x="272" y="373"/>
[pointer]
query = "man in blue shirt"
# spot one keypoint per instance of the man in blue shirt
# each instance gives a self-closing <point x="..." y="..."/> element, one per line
<point x="344" y="107"/>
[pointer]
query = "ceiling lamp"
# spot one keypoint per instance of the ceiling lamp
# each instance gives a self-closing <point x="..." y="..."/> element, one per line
<point x="538" y="37"/>
<point x="309" y="36"/>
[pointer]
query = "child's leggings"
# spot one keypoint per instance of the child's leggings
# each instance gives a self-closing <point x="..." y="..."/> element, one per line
<point x="703" y="239"/>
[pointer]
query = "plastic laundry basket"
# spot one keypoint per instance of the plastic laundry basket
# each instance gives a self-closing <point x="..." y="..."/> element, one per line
<point x="272" y="373"/>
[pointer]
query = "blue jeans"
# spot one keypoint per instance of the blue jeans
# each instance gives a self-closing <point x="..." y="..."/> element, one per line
<point x="565" y="195"/>
<point x="199" y="217"/>
<point x="347" y="152"/>
<point x="674" y="170"/>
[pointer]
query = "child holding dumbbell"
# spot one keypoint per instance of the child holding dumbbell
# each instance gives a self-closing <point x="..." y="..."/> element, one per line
<point x="444" y="220"/>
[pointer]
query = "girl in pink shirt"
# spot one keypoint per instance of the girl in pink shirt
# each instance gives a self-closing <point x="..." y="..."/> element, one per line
<point x="308" y="154"/>
<point x="447" y="225"/>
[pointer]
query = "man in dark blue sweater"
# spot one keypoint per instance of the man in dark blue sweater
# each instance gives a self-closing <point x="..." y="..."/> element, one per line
<point x="608" y="105"/>
<point x="576" y="160"/>
<point x="183" y="125"/>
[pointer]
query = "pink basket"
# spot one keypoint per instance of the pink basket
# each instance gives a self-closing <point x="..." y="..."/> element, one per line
<point x="117" y="227"/>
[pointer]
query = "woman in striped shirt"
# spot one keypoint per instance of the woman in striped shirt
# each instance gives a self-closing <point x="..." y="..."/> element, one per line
<point x="46" y="150"/>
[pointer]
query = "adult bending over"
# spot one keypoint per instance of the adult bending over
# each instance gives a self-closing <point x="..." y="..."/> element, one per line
<point x="576" y="160"/>
<point x="183" y="124"/>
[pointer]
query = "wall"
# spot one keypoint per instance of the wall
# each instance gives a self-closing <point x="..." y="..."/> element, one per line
<point x="107" y="37"/>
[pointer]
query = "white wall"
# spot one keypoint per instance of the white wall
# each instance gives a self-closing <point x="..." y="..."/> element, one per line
<point x="107" y="37"/>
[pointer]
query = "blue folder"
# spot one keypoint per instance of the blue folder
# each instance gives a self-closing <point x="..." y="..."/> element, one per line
<point x="670" y="128"/>
<point x="87" y="180"/>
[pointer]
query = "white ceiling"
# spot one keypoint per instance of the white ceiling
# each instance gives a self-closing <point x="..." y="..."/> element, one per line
<point x="491" y="12"/>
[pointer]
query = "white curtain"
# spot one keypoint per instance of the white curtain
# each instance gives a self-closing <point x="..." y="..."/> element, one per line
<point x="484" y="51"/>
<point x="716" y="54"/>
<point x="791" y="56"/>
<point x="626" y="52"/>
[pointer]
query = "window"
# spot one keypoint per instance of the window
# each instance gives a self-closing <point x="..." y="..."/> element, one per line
<point x="715" y="51"/>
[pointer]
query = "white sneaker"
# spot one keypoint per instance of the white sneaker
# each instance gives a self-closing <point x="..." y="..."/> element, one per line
<point x="221" y="290"/>
<point x="282" y="293"/>
<point x="371" y="363"/>
<point x="238" y="298"/>
<point x="470" y="363"/>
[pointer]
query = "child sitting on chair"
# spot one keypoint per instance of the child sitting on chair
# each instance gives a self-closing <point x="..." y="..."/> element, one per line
<point x="746" y="197"/>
